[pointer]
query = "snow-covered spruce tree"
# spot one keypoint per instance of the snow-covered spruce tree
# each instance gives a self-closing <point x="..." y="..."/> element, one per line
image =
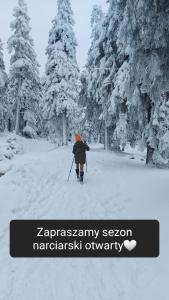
<point x="3" y="92"/>
<point x="62" y="75"/>
<point x="90" y="92"/>
<point x="147" y="32"/>
<point x="113" y="76"/>
<point x="24" y="82"/>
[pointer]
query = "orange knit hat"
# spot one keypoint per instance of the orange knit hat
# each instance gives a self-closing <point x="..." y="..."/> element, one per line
<point x="77" y="137"/>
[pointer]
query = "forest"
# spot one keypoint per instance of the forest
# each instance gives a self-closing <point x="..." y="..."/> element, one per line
<point x="121" y="96"/>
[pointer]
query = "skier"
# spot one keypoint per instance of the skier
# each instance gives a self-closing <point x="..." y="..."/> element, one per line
<point x="79" y="150"/>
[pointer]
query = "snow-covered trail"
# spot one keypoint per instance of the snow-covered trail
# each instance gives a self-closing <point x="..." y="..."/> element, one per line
<point x="116" y="187"/>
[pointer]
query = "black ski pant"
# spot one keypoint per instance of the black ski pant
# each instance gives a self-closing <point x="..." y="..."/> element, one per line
<point x="80" y="167"/>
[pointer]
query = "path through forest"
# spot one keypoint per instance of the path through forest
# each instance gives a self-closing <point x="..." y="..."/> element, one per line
<point x="116" y="187"/>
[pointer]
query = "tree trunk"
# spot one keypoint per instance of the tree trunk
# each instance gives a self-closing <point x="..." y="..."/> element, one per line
<point x="64" y="129"/>
<point x="150" y="150"/>
<point x="17" y="122"/>
<point x="98" y="138"/>
<point x="17" y="117"/>
<point x="107" y="139"/>
<point x="9" y="125"/>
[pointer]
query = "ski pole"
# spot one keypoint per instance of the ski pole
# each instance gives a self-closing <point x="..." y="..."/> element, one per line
<point x="71" y="168"/>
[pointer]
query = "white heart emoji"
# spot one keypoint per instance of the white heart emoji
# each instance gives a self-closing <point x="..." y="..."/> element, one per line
<point x="130" y="245"/>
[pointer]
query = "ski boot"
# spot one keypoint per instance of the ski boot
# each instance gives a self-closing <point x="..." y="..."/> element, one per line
<point x="77" y="173"/>
<point x="81" y="176"/>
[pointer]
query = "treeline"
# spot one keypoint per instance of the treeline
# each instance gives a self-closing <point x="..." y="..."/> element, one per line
<point x="121" y="97"/>
<point x="30" y="105"/>
<point x="126" y="80"/>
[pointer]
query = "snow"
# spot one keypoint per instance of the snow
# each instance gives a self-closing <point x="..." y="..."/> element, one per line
<point x="9" y="146"/>
<point x="116" y="187"/>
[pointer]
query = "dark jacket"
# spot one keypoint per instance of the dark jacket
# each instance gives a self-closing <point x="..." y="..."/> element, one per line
<point x="79" y="150"/>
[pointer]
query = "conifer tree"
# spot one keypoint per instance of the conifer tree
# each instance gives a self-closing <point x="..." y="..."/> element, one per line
<point x="90" y="91"/>
<point x="62" y="74"/>
<point x="113" y="76"/>
<point x="24" y="82"/>
<point x="105" y="67"/>
<point x="147" y="37"/>
<point x="3" y="90"/>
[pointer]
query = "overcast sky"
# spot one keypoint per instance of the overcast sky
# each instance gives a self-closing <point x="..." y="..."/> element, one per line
<point x="41" y="13"/>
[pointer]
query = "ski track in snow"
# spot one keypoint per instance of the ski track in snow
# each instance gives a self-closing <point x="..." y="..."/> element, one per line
<point x="115" y="187"/>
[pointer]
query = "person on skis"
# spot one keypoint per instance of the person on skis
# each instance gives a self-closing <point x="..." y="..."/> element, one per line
<point x="79" y="150"/>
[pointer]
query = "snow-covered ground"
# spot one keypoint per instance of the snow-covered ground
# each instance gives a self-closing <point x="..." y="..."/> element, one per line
<point x="116" y="187"/>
